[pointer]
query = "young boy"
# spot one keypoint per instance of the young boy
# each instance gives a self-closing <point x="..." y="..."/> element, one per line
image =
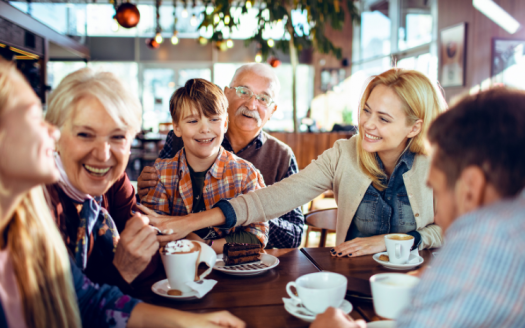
<point x="202" y="173"/>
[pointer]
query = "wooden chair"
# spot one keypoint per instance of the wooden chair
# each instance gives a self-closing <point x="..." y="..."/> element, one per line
<point x="321" y="220"/>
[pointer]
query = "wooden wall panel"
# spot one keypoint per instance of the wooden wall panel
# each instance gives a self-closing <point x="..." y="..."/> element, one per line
<point x="480" y="32"/>
<point x="308" y="146"/>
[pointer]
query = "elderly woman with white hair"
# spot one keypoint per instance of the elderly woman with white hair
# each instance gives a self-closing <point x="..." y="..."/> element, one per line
<point x="93" y="200"/>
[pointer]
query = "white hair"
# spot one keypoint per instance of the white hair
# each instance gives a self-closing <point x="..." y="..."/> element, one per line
<point x="262" y="70"/>
<point x="120" y="103"/>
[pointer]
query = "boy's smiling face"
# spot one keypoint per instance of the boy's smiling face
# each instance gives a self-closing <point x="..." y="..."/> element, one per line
<point x="202" y="137"/>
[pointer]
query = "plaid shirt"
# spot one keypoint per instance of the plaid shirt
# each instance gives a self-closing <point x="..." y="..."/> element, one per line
<point x="228" y="177"/>
<point x="478" y="278"/>
<point x="285" y="231"/>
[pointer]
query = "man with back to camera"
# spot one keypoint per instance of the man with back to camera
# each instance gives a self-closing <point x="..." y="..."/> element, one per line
<point x="478" y="177"/>
<point x="251" y="102"/>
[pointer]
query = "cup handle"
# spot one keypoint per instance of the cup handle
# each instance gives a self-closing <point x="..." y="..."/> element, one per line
<point x="205" y="273"/>
<point x="398" y="250"/>
<point x="290" y="293"/>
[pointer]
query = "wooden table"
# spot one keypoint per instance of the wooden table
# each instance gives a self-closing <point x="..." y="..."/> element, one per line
<point x="358" y="272"/>
<point x="255" y="299"/>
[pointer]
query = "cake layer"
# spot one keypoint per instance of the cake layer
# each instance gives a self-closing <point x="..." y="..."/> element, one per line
<point x="232" y="253"/>
<point x="239" y="246"/>
<point x="240" y="260"/>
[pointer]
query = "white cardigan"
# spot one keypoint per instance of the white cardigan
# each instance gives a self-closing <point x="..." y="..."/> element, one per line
<point x="338" y="169"/>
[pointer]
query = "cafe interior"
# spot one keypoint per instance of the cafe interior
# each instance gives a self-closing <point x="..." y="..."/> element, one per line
<point x="300" y="83"/>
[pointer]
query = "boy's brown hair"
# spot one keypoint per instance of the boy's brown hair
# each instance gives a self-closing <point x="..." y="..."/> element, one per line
<point x="201" y="95"/>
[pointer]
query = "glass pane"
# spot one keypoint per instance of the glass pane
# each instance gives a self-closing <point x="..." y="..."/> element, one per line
<point x="415" y="24"/>
<point x="186" y="74"/>
<point x="158" y="87"/>
<point x="375" y="31"/>
<point x="56" y="71"/>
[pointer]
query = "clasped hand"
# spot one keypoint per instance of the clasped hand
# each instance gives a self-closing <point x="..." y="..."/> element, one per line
<point x="360" y="246"/>
<point x="171" y="227"/>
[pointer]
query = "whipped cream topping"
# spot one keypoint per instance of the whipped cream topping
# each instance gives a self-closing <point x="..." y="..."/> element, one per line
<point x="178" y="246"/>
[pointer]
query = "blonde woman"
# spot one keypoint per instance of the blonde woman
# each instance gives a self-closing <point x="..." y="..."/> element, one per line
<point x="378" y="176"/>
<point x="93" y="200"/>
<point x="39" y="287"/>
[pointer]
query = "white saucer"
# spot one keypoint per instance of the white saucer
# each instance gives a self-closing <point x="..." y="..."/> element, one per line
<point x="161" y="288"/>
<point x="267" y="262"/>
<point x="393" y="266"/>
<point x="345" y="306"/>
<point x="381" y="324"/>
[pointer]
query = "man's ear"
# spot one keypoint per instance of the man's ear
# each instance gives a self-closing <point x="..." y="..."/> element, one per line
<point x="273" y="111"/>
<point x="416" y="129"/>
<point x="470" y="189"/>
<point x="177" y="130"/>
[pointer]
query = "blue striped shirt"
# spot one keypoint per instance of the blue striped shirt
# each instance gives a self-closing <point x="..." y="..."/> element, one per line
<point x="478" y="278"/>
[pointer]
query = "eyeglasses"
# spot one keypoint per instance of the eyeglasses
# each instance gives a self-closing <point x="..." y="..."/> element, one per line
<point x="245" y="93"/>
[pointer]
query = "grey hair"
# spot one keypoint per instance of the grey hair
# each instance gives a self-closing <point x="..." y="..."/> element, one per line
<point x="120" y="103"/>
<point x="263" y="70"/>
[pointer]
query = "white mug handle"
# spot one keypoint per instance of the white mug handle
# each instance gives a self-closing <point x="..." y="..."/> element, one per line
<point x="290" y="293"/>
<point x="398" y="251"/>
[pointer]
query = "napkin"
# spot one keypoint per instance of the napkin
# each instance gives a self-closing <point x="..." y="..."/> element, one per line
<point x="202" y="287"/>
<point x="414" y="257"/>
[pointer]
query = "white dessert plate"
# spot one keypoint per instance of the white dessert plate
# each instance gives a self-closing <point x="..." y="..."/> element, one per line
<point x="161" y="288"/>
<point x="297" y="312"/>
<point x="393" y="266"/>
<point x="381" y="324"/>
<point x="266" y="263"/>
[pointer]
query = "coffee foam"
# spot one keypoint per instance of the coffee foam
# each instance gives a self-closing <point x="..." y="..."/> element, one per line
<point x="179" y="246"/>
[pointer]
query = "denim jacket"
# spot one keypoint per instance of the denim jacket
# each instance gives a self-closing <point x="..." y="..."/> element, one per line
<point x="387" y="211"/>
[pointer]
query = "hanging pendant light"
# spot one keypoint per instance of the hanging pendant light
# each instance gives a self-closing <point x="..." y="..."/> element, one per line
<point x="128" y="15"/>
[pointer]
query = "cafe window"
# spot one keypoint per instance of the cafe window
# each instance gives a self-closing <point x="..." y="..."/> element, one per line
<point x="401" y="33"/>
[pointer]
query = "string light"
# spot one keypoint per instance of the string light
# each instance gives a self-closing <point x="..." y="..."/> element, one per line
<point x="271" y="43"/>
<point x="229" y="43"/>
<point x="258" y="57"/>
<point x="216" y="19"/>
<point x="175" y="38"/>
<point x="184" y="13"/>
<point x="248" y="4"/>
<point x="193" y="20"/>
<point x="158" y="38"/>
<point x="227" y="19"/>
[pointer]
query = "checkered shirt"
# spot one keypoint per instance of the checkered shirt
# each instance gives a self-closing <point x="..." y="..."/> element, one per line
<point x="227" y="178"/>
<point x="285" y="231"/>
<point x="478" y="278"/>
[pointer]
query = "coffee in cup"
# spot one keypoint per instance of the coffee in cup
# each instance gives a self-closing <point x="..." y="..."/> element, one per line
<point x="398" y="247"/>
<point x="391" y="293"/>
<point x="181" y="260"/>
<point x="319" y="291"/>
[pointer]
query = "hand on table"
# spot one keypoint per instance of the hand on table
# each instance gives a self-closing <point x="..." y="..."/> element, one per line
<point x="147" y="179"/>
<point x="335" y="318"/>
<point x="173" y="227"/>
<point x="360" y="246"/>
<point x="138" y="243"/>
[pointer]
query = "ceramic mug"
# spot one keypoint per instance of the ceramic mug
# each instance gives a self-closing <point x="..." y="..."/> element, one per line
<point x="398" y="247"/>
<point x="182" y="268"/>
<point x="318" y="291"/>
<point x="391" y="293"/>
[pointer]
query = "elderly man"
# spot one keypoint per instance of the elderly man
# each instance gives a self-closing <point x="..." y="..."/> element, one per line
<point x="478" y="176"/>
<point x="251" y="97"/>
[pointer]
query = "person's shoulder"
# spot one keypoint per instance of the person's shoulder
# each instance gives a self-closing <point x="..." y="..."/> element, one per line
<point x="233" y="161"/>
<point x="504" y="218"/>
<point x="276" y="143"/>
<point x="162" y="164"/>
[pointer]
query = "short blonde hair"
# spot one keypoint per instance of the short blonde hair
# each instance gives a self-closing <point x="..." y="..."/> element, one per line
<point x="119" y="102"/>
<point x="421" y="101"/>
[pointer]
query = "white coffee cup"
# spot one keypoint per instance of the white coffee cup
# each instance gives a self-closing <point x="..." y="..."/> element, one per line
<point x="318" y="291"/>
<point x="391" y="293"/>
<point x="398" y="250"/>
<point x="182" y="268"/>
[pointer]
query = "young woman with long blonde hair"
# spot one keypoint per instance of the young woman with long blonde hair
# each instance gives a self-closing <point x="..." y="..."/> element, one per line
<point x="39" y="285"/>
<point x="378" y="176"/>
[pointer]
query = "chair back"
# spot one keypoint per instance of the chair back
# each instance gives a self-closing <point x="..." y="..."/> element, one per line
<point x="322" y="219"/>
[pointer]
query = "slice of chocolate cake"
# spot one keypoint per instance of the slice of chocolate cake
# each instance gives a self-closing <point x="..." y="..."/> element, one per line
<point x="235" y="253"/>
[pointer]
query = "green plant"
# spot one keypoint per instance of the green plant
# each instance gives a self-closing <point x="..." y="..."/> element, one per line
<point x="297" y="37"/>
